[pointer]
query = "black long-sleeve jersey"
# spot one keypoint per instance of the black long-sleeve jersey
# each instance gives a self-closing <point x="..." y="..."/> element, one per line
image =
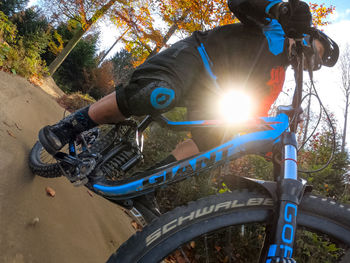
<point x="251" y="56"/>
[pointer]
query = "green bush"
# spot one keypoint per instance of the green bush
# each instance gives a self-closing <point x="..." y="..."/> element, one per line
<point x="15" y="57"/>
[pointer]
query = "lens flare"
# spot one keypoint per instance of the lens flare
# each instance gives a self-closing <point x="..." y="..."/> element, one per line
<point x="235" y="106"/>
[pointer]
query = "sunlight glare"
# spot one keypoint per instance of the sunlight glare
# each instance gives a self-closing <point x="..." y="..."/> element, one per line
<point x="235" y="106"/>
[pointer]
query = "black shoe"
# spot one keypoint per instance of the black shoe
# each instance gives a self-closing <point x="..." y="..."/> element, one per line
<point x="54" y="137"/>
<point x="50" y="141"/>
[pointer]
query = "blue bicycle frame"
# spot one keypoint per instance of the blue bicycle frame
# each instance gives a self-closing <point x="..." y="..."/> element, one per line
<point x="264" y="135"/>
<point x="268" y="133"/>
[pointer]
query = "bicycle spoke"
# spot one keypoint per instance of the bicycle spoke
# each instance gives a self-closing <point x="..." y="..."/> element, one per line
<point x="46" y="157"/>
<point x="229" y="241"/>
<point x="184" y="255"/>
<point x="206" y="248"/>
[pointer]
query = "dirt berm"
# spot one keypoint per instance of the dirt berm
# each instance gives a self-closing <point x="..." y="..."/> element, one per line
<point x="72" y="226"/>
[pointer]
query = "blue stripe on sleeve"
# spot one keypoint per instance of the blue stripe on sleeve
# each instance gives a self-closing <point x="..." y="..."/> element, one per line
<point x="275" y="37"/>
<point x="206" y="63"/>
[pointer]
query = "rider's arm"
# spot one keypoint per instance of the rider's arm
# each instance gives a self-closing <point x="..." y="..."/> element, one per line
<point x="248" y="11"/>
<point x="261" y="11"/>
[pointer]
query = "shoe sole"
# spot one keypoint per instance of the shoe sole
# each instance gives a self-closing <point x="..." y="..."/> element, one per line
<point x="46" y="143"/>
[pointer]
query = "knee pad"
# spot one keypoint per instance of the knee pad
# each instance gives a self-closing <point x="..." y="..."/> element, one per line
<point x="146" y="97"/>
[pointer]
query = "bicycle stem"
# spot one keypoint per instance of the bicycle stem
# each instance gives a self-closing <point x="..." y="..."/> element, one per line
<point x="298" y="65"/>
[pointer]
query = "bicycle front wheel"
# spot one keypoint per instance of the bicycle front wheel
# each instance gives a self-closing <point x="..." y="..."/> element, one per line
<point x="230" y="228"/>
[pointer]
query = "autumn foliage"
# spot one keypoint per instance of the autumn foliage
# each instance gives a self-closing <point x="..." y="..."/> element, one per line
<point x="320" y="13"/>
<point x="151" y="24"/>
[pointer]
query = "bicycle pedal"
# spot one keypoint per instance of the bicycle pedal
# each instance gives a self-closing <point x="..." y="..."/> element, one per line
<point x="81" y="182"/>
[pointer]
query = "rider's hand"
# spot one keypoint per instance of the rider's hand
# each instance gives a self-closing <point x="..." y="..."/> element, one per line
<point x="295" y="22"/>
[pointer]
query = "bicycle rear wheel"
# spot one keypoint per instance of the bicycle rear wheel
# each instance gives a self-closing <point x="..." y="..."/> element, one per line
<point x="44" y="164"/>
<point x="176" y="235"/>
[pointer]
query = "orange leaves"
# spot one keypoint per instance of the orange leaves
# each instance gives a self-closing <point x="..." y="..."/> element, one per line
<point x="143" y="37"/>
<point x="202" y="15"/>
<point x="153" y="22"/>
<point x="320" y="13"/>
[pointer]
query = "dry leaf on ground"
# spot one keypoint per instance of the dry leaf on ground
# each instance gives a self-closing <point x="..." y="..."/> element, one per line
<point x="18" y="127"/>
<point x="136" y="226"/>
<point x="11" y="134"/>
<point x="4" y="122"/>
<point x="34" y="221"/>
<point x="50" y="191"/>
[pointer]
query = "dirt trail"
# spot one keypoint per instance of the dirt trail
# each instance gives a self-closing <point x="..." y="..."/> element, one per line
<point x="34" y="227"/>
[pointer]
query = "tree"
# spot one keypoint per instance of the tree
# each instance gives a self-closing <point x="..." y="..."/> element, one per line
<point x="123" y="66"/>
<point x="104" y="82"/>
<point x="153" y="23"/>
<point x="331" y="180"/>
<point x="345" y="76"/>
<point x="34" y="29"/>
<point x="10" y="7"/>
<point x="145" y="38"/>
<point x="320" y="13"/>
<point x="20" y="54"/>
<point x="74" y="74"/>
<point x="85" y="12"/>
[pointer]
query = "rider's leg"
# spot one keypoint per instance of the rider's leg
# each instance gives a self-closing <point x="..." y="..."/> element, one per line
<point x="144" y="96"/>
<point x="182" y="151"/>
<point x="185" y="149"/>
<point x="106" y="110"/>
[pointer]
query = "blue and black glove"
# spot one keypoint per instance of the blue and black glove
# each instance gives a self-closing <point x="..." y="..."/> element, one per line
<point x="295" y="22"/>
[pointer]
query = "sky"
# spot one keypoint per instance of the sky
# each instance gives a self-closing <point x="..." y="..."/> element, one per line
<point x="328" y="80"/>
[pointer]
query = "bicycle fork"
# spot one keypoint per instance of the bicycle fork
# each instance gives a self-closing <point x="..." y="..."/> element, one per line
<point x="279" y="241"/>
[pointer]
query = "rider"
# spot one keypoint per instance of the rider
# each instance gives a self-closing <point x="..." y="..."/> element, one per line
<point x="252" y="55"/>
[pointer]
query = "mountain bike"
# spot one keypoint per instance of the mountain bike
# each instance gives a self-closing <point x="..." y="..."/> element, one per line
<point x="106" y="156"/>
<point x="103" y="160"/>
<point x="274" y="209"/>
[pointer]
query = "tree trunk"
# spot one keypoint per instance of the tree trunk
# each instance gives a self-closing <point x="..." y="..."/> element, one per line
<point x="345" y="122"/>
<point x="65" y="52"/>
<point x="109" y="50"/>
<point x="78" y="35"/>
<point x="345" y="74"/>
<point x="170" y="32"/>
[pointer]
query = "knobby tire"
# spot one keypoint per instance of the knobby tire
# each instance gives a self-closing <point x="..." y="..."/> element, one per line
<point x="317" y="214"/>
